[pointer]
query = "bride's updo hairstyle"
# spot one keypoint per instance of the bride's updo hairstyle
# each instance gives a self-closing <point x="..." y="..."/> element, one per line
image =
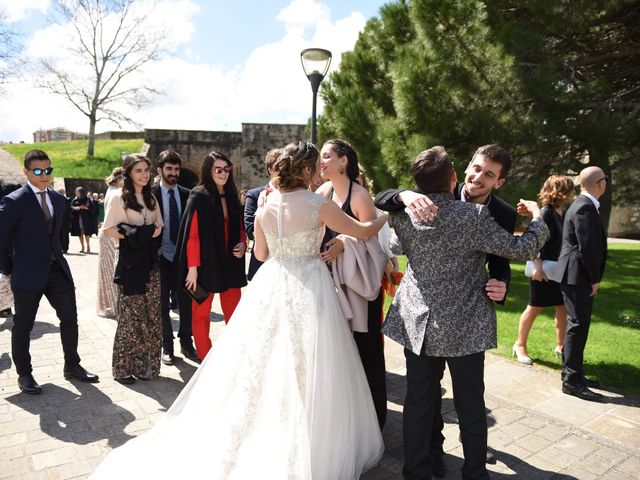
<point x="289" y="168"/>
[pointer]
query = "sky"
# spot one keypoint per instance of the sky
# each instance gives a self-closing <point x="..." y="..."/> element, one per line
<point x="231" y="62"/>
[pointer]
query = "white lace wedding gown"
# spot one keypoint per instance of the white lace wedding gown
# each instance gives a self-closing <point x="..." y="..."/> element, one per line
<point x="282" y="393"/>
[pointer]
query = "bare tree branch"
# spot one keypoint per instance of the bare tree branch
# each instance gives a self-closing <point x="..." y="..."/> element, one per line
<point x="112" y="49"/>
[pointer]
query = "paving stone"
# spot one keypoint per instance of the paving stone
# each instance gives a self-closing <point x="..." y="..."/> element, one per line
<point x="537" y="432"/>
<point x="533" y="443"/>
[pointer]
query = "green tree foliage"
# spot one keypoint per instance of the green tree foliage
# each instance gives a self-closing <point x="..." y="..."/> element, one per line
<point x="557" y="83"/>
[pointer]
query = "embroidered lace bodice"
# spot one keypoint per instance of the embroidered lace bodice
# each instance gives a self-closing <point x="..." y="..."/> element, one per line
<point x="290" y="223"/>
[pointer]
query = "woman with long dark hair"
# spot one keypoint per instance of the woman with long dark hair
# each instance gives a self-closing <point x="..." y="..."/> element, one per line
<point x="211" y="245"/>
<point x="340" y="170"/>
<point x="133" y="217"/>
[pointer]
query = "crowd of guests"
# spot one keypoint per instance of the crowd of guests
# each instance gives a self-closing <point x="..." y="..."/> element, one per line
<point x="164" y="247"/>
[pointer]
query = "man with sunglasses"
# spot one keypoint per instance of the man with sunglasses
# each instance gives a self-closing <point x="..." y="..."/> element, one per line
<point x="581" y="266"/>
<point x="30" y="250"/>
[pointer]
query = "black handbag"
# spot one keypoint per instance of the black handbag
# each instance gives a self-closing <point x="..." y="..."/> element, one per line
<point x="199" y="294"/>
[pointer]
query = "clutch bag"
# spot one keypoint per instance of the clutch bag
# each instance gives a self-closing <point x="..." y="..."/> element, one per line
<point x="199" y="294"/>
<point x="548" y="267"/>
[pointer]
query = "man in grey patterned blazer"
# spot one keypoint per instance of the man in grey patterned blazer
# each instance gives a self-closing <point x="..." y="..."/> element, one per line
<point x="441" y="312"/>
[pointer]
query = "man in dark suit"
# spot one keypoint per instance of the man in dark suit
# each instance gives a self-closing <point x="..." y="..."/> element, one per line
<point x="581" y="266"/>
<point x="487" y="171"/>
<point x="172" y="199"/>
<point x="441" y="313"/>
<point x="251" y="205"/>
<point x="30" y="251"/>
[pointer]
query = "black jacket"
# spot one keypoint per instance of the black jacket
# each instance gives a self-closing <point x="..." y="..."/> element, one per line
<point x="584" y="244"/>
<point x="136" y="258"/>
<point x="219" y="269"/>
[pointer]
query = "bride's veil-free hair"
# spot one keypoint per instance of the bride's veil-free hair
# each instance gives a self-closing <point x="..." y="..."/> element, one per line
<point x="289" y="168"/>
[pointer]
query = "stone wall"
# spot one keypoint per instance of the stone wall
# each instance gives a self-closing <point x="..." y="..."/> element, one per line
<point x="246" y="149"/>
<point x="119" y="135"/>
<point x="625" y="222"/>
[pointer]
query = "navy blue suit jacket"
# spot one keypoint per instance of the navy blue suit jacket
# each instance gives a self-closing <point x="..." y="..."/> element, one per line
<point x="26" y="248"/>
<point x="250" y="208"/>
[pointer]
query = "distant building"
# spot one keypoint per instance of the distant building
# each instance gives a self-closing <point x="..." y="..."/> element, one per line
<point x="57" y="134"/>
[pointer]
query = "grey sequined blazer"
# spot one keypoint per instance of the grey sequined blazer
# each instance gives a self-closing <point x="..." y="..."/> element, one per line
<point x="441" y="308"/>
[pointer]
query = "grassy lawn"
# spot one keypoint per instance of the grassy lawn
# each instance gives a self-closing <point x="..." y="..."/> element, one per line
<point x="612" y="354"/>
<point x="70" y="158"/>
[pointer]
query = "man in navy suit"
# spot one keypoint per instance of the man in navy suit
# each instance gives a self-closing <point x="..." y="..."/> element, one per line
<point x="581" y="266"/>
<point x="251" y="205"/>
<point x="172" y="198"/>
<point x="31" y="218"/>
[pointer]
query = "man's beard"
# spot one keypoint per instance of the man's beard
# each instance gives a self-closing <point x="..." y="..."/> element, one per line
<point x="170" y="180"/>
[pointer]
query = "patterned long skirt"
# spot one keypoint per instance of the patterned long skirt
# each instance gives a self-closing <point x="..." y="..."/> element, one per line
<point x="107" y="291"/>
<point x="138" y="341"/>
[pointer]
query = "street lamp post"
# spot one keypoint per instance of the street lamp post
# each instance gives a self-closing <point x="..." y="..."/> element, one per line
<point x="315" y="63"/>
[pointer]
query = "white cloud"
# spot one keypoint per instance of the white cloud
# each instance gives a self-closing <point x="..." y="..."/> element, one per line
<point x="268" y="86"/>
<point x="16" y="10"/>
<point x="305" y="13"/>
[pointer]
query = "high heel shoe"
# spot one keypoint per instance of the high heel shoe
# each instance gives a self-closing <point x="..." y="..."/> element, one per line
<point x="558" y="351"/>
<point x="519" y="353"/>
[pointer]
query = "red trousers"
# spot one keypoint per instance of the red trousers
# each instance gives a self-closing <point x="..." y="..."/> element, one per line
<point x="200" y="321"/>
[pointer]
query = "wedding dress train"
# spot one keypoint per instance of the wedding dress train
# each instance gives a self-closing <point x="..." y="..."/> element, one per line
<point x="282" y="394"/>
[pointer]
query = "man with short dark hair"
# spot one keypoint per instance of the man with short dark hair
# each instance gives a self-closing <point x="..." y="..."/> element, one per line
<point x="31" y="219"/>
<point x="251" y="205"/>
<point x="581" y="266"/>
<point x="172" y="198"/>
<point x="441" y="313"/>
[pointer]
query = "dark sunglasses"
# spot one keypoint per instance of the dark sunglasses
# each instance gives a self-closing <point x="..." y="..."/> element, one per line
<point x="605" y="178"/>
<point x="219" y="170"/>
<point x="40" y="171"/>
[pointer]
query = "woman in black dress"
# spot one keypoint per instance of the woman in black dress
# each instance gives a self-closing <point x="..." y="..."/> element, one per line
<point x="556" y="192"/>
<point x="83" y="219"/>
<point x="340" y="170"/>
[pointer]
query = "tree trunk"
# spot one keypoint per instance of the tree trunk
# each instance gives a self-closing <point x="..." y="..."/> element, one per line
<point x="92" y="135"/>
<point x="599" y="157"/>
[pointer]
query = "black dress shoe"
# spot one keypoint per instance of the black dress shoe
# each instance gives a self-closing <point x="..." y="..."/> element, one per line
<point x="167" y="357"/>
<point x="81" y="374"/>
<point x="582" y="392"/>
<point x="438" y="467"/>
<point x="189" y="352"/>
<point x="491" y="457"/>
<point x="29" y="385"/>
<point x="126" y="380"/>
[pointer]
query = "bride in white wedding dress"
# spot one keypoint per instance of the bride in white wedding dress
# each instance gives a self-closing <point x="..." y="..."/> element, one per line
<point x="282" y="393"/>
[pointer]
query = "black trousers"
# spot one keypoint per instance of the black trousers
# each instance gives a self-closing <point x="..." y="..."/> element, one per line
<point x="371" y="350"/>
<point x="169" y="284"/>
<point x="423" y="388"/>
<point x="61" y="295"/>
<point x="579" y="304"/>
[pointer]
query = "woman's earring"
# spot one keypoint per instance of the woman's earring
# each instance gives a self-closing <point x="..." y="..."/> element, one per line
<point x="342" y="171"/>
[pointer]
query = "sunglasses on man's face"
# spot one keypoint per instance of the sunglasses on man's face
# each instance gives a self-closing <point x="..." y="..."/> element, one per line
<point x="605" y="178"/>
<point x="40" y="171"/>
<point x="219" y="170"/>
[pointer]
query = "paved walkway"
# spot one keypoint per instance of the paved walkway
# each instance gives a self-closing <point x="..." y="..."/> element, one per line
<point x="538" y="432"/>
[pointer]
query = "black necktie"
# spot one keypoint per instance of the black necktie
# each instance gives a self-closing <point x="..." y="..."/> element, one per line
<point x="174" y="217"/>
<point x="45" y="210"/>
